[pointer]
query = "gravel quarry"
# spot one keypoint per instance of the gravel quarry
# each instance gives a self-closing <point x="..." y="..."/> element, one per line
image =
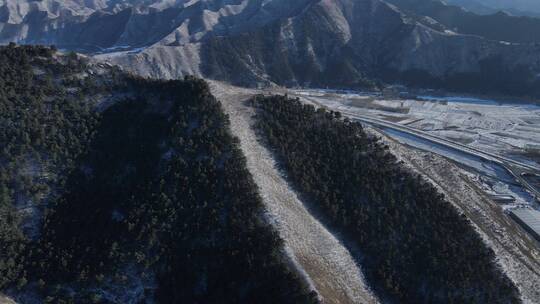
<point x="318" y="255"/>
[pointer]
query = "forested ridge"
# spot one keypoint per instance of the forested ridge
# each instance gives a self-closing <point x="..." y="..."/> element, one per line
<point x="37" y="133"/>
<point x="117" y="189"/>
<point x="414" y="246"/>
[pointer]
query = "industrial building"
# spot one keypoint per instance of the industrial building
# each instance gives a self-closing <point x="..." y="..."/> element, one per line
<point x="529" y="219"/>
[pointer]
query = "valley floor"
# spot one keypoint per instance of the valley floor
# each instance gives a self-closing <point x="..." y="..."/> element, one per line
<point x="318" y="254"/>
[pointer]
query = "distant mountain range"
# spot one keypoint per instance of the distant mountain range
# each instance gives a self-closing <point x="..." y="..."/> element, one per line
<point x="515" y="7"/>
<point x="323" y="43"/>
<point x="497" y="25"/>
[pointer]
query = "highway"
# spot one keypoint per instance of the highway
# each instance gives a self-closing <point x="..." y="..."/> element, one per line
<point x="515" y="168"/>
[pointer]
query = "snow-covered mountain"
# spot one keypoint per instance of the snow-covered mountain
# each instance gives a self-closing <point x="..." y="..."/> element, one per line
<point x="517" y="7"/>
<point x="304" y="42"/>
<point x="319" y="43"/>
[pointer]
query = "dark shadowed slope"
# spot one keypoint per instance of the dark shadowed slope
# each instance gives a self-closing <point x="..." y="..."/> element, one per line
<point x="116" y="189"/>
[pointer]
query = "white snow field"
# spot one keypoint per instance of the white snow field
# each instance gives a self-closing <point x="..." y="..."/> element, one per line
<point x="318" y="255"/>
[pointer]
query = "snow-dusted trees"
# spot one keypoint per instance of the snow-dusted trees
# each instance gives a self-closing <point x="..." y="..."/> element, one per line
<point x="414" y="246"/>
<point x="150" y="194"/>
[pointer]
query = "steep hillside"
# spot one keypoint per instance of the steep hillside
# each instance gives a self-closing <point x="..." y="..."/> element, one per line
<point x="415" y="247"/>
<point x="345" y="43"/>
<point x="116" y="189"/>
